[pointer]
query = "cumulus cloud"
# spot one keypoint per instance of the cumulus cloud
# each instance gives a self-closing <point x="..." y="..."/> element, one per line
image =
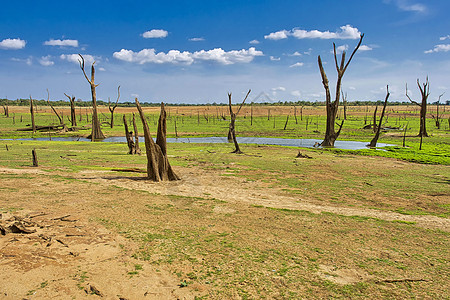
<point x="443" y="38"/>
<point x="46" y="61"/>
<point x="340" y="49"/>
<point x="296" y="93"/>
<point x="345" y="32"/>
<point x="278" y="89"/>
<point x="28" y="61"/>
<point x="296" y="53"/>
<point x="365" y="48"/>
<point x="279" y="35"/>
<point x="299" y="64"/>
<point x="177" y="57"/>
<point x="197" y="39"/>
<point x="155" y="34"/>
<point x="407" y="5"/>
<point x="12" y="44"/>
<point x="61" y="43"/>
<point x="74" y="58"/>
<point x="254" y="42"/>
<point x="439" y="48"/>
<point x="273" y="58"/>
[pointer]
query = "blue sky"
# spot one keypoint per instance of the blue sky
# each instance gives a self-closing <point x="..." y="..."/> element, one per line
<point x="197" y="51"/>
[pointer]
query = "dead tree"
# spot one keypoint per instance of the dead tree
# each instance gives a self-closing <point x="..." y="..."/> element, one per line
<point x="425" y="92"/>
<point x="96" y="133"/>
<point x="6" y="110"/>
<point x="111" y="109"/>
<point x="231" y="131"/>
<point x="60" y="118"/>
<point x="128" y="135"/>
<point x="33" y="125"/>
<point x="374" y="125"/>
<point x="373" y="142"/>
<point x="137" y="149"/>
<point x="158" y="166"/>
<point x="73" y="119"/>
<point x="332" y="107"/>
<point x="344" y="100"/>
<point x="437" y="118"/>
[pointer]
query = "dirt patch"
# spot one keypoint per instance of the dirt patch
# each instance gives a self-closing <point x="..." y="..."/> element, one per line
<point x="47" y="255"/>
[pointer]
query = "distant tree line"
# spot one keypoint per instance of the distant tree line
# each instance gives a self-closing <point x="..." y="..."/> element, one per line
<point x="81" y="103"/>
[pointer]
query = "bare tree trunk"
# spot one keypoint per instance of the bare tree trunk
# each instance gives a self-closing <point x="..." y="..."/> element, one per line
<point x="332" y="107"/>
<point x="374" y="125"/>
<point x="373" y="142"/>
<point x="111" y="109"/>
<point x="232" y="131"/>
<point x="425" y="92"/>
<point x="33" y="125"/>
<point x="128" y="135"/>
<point x="60" y="118"/>
<point x="158" y="167"/>
<point x="73" y="117"/>
<point x="34" y="156"/>
<point x="137" y="150"/>
<point x="96" y="133"/>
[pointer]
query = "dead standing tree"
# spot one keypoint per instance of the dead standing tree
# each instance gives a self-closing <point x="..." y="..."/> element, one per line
<point x="158" y="167"/>
<point x="60" y="118"/>
<point x="33" y="125"/>
<point x="111" y="109"/>
<point x="373" y="142"/>
<point x="425" y="92"/>
<point x="231" y="131"/>
<point x="73" y="118"/>
<point x="96" y="133"/>
<point x="332" y="107"/>
<point x="128" y="135"/>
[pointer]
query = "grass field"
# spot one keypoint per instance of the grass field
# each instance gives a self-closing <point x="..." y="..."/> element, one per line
<point x="261" y="225"/>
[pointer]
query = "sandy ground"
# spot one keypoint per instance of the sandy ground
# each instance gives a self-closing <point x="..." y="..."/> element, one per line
<point x="55" y="252"/>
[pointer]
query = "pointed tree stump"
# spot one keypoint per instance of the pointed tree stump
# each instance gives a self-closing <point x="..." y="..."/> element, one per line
<point x="158" y="166"/>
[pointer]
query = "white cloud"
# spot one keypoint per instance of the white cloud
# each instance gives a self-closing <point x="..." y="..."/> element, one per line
<point x="28" y="61"/>
<point x="12" y="44"/>
<point x="352" y="88"/>
<point x="365" y="48"/>
<point x="273" y="58"/>
<point x="443" y="38"/>
<point x="296" y="53"/>
<point x="186" y="57"/>
<point x="406" y="5"/>
<point x="155" y="34"/>
<point x="254" y="42"/>
<point x="102" y="69"/>
<point x="296" y="93"/>
<point x="61" y="43"/>
<point x="279" y="89"/>
<point x="439" y="48"/>
<point x="340" y="49"/>
<point x="279" y="35"/>
<point x="46" y="61"/>
<point x="75" y="58"/>
<point x="197" y="39"/>
<point x="308" y="52"/>
<point x="299" y="64"/>
<point x="346" y="32"/>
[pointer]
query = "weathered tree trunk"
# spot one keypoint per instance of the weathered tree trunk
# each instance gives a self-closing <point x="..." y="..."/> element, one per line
<point x="158" y="167"/>
<point x="437" y="119"/>
<point x="373" y="142"/>
<point x="332" y="107"/>
<point x="128" y="135"/>
<point x="425" y="92"/>
<point x="374" y="125"/>
<point x="73" y="118"/>
<point x="137" y="149"/>
<point x="6" y="110"/>
<point x="96" y="133"/>
<point x="60" y="118"/>
<point x="111" y="109"/>
<point x="232" y="131"/>
<point x="34" y="156"/>
<point x="33" y="125"/>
